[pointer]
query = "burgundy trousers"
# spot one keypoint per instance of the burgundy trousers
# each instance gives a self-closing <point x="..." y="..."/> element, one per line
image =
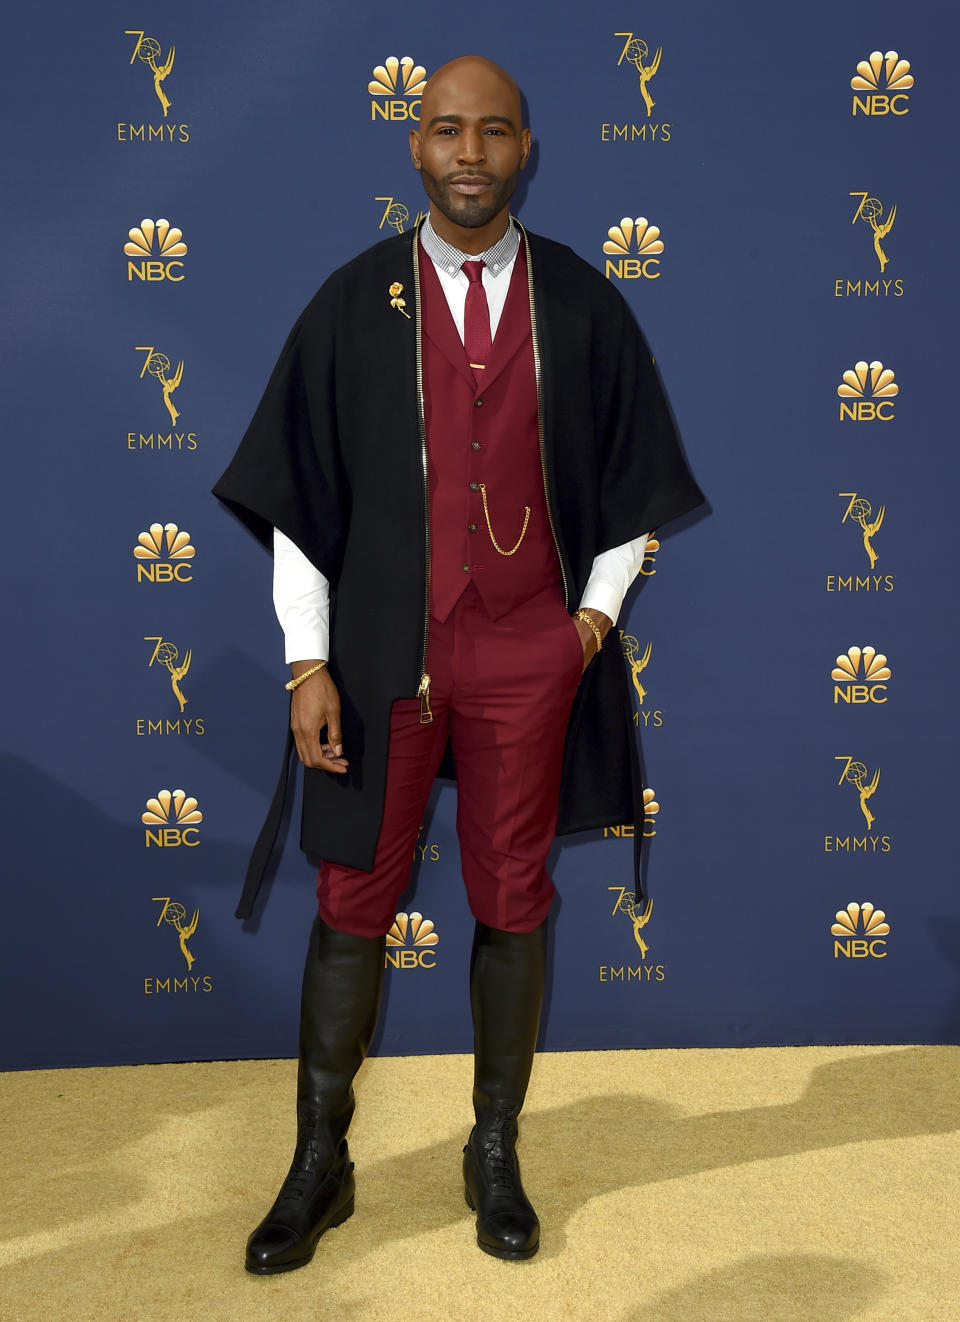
<point x="501" y="691"/>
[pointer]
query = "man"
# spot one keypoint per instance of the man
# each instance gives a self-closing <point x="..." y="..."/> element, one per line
<point x="464" y="440"/>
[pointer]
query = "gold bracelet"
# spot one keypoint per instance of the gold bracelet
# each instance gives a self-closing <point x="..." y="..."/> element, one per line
<point x="291" y="684"/>
<point x="582" y="615"/>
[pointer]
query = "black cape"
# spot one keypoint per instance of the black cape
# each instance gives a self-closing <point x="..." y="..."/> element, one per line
<point x="333" y="459"/>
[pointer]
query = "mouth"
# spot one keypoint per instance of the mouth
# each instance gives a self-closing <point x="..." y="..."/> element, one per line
<point x="470" y="184"/>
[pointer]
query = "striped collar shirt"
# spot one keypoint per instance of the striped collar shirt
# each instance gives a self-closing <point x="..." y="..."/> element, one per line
<point x="448" y="262"/>
<point x="499" y="258"/>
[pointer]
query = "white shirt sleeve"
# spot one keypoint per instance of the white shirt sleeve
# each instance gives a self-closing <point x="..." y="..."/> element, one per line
<point x="611" y="576"/>
<point x="301" y="598"/>
<point x="301" y="593"/>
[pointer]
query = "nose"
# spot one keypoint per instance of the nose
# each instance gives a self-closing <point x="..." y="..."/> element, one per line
<point x="472" y="146"/>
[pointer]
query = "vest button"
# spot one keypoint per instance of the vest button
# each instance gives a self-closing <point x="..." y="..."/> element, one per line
<point x="478" y="403"/>
<point x="471" y="527"/>
<point x="466" y="569"/>
<point x="474" y="445"/>
<point x="474" y="486"/>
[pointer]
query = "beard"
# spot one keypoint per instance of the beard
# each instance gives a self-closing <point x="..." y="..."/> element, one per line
<point x="469" y="212"/>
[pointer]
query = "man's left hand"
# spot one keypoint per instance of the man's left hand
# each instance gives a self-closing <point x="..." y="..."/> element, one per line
<point x="588" y="638"/>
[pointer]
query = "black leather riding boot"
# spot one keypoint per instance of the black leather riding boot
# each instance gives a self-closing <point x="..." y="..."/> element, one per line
<point x="506" y="991"/>
<point x="338" y="1013"/>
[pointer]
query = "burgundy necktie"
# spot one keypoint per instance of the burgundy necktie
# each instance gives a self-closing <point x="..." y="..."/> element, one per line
<point x="476" y="321"/>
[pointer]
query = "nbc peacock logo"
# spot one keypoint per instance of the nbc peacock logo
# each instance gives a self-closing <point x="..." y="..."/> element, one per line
<point x="163" y="554"/>
<point x="171" y="819"/>
<point x="881" y="83"/>
<point x="159" y="246"/>
<point x="633" y="248"/>
<point x="860" y="676"/>
<point x="857" y="932"/>
<point x="870" y="389"/>
<point x="648" y="565"/>
<point x="650" y="809"/>
<point x="411" y="943"/>
<point x="396" y="88"/>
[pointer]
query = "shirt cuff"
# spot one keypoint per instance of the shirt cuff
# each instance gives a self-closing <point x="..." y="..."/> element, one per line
<point x="301" y="598"/>
<point x="612" y="574"/>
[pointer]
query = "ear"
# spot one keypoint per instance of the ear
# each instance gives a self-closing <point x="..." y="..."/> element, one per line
<point x="414" y="140"/>
<point x="524" y="148"/>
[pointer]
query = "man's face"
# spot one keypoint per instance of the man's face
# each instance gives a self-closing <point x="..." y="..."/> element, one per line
<point x="470" y="146"/>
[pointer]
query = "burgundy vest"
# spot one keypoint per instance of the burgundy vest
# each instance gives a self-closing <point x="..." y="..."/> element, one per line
<point x="488" y="434"/>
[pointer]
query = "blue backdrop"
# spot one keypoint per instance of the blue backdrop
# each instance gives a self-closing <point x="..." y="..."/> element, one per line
<point x="799" y="298"/>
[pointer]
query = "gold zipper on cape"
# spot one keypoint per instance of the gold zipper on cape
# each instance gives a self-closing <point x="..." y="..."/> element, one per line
<point x="543" y="454"/>
<point x="423" y="692"/>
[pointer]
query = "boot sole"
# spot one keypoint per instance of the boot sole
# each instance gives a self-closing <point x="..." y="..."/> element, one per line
<point x="507" y="1255"/>
<point x="345" y="1213"/>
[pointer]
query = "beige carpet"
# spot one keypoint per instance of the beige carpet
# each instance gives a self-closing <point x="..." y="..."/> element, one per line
<point x="679" y="1186"/>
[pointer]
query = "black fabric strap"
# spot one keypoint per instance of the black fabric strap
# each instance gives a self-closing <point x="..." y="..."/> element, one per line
<point x="260" y="855"/>
<point x="639" y="817"/>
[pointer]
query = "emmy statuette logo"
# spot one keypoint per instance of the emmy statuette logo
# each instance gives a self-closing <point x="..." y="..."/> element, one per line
<point x="173" y="915"/>
<point x="147" y="55"/>
<point x="859" y="513"/>
<point x="635" y="53"/>
<point x="157" y="244"/>
<point x="870" y="211"/>
<point x="411" y="943"/>
<point x="881" y="83"/>
<point x="865" y="784"/>
<point x="639" y="915"/>
<point x="396" y="88"/>
<point x="860" y="676"/>
<point x="879" y="219"/>
<point x="860" y="927"/>
<point x="165" y="655"/>
<point x="639" y="238"/>
<point x="638" y="659"/>
<point x="856" y="774"/>
<point x="148" y="51"/>
<point x="158" y="366"/>
<point x="163" y="554"/>
<point x="871" y="388"/>
<point x="172" y="819"/>
<point x="396" y="215"/>
<point x="626" y="903"/>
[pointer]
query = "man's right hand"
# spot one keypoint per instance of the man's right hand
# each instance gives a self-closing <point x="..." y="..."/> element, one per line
<point x="315" y="705"/>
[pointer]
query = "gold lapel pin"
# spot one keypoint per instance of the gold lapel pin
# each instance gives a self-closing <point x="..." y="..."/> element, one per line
<point x="396" y="289"/>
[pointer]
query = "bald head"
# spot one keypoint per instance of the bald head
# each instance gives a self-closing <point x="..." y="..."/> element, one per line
<point x="469" y="76"/>
<point x="469" y="148"/>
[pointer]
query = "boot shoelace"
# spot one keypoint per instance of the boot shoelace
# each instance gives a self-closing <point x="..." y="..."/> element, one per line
<point x="499" y="1162"/>
<point x="302" y="1176"/>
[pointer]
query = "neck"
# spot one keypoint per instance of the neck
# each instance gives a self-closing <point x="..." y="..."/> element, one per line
<point x="471" y="241"/>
